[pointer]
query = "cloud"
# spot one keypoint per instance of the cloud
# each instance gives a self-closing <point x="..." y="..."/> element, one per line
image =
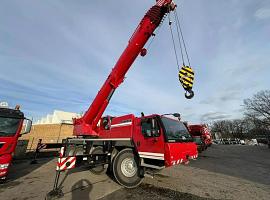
<point x="65" y="50"/>
<point x="262" y="13"/>
<point x="212" y="116"/>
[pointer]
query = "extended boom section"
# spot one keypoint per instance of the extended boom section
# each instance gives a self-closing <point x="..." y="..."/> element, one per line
<point x="87" y="125"/>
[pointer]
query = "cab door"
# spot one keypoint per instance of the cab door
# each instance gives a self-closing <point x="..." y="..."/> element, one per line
<point x="149" y="139"/>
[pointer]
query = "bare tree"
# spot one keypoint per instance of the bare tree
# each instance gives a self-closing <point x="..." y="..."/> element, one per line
<point x="257" y="111"/>
<point x="237" y="128"/>
<point x="222" y="127"/>
<point x="257" y="108"/>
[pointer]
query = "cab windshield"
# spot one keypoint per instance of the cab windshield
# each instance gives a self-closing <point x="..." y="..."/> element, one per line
<point x="8" y="126"/>
<point x="175" y="131"/>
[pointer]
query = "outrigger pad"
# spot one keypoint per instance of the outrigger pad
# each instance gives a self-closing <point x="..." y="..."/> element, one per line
<point x="54" y="194"/>
<point x="186" y="78"/>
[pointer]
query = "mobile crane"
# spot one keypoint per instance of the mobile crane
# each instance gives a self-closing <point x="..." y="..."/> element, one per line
<point x="11" y="124"/>
<point x="130" y="147"/>
<point x="202" y="131"/>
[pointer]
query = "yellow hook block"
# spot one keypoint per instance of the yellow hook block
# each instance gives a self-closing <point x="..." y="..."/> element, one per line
<point x="186" y="78"/>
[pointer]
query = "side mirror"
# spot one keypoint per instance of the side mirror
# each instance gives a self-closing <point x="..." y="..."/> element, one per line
<point x="27" y="126"/>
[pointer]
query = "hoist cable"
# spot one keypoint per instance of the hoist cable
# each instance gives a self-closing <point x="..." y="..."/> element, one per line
<point x="181" y="32"/>
<point x="179" y="40"/>
<point x="174" y="46"/>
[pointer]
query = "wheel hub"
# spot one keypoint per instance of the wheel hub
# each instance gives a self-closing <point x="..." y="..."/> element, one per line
<point x="129" y="167"/>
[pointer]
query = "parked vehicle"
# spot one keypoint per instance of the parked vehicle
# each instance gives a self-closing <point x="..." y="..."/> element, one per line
<point x="225" y="141"/>
<point x="254" y="142"/>
<point x="233" y="141"/>
<point x="242" y="142"/>
<point x="11" y="123"/>
<point x="217" y="141"/>
<point x="202" y="131"/>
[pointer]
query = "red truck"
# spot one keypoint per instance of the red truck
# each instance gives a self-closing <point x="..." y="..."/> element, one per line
<point x="129" y="147"/>
<point x="11" y="124"/>
<point x="202" y="131"/>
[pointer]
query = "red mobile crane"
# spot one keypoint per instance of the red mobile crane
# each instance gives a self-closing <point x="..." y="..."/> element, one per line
<point x="129" y="146"/>
<point x="11" y="124"/>
<point x="202" y="131"/>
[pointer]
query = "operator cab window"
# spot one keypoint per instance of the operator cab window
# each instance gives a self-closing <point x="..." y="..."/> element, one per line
<point x="150" y="127"/>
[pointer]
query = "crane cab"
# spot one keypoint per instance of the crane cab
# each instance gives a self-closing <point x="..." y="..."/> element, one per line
<point x="159" y="140"/>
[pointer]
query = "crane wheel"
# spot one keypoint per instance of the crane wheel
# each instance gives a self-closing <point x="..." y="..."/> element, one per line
<point x="100" y="169"/>
<point x="126" y="170"/>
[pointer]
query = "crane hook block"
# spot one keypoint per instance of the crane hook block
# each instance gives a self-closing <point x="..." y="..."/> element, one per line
<point x="186" y="78"/>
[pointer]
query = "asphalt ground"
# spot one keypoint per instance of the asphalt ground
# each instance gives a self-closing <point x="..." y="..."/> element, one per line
<point x="221" y="172"/>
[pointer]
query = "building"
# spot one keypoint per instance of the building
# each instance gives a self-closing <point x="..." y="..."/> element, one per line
<point x="51" y="129"/>
<point x="58" y="117"/>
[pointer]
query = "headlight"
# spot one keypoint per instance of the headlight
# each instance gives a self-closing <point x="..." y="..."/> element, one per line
<point x="4" y="166"/>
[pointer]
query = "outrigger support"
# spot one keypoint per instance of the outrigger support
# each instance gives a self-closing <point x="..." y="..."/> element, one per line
<point x="67" y="160"/>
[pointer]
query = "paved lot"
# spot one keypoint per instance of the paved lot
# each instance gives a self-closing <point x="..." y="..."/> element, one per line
<point x="222" y="172"/>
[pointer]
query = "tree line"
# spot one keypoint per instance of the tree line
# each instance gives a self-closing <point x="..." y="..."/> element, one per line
<point x="254" y="124"/>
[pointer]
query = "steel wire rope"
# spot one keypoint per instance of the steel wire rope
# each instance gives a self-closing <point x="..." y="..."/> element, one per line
<point x="179" y="40"/>
<point x="174" y="46"/>
<point x="182" y="36"/>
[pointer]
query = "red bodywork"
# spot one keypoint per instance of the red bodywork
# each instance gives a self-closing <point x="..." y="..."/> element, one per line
<point x="7" y="149"/>
<point x="128" y="127"/>
<point x="203" y="131"/>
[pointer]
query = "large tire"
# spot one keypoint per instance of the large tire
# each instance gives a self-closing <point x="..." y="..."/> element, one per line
<point x="101" y="169"/>
<point x="126" y="169"/>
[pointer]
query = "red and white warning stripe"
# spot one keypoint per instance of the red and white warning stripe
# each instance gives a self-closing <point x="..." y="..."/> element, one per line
<point x="194" y="157"/>
<point x="177" y="162"/>
<point x="152" y="155"/>
<point x="41" y="146"/>
<point x="66" y="163"/>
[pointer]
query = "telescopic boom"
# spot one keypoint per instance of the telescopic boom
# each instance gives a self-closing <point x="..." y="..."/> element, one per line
<point x="87" y="125"/>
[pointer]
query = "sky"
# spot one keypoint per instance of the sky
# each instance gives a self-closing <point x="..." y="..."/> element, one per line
<point x="56" y="54"/>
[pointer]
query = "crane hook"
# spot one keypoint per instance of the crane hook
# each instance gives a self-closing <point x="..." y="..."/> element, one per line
<point x="189" y="94"/>
<point x="186" y="78"/>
